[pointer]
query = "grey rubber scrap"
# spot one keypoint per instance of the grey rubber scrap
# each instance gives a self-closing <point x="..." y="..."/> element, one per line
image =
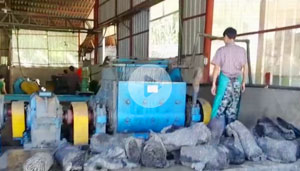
<point x="190" y="136"/>
<point x="252" y="151"/>
<point x="209" y="156"/>
<point x="297" y="142"/>
<point x="70" y="157"/>
<point x="114" y="152"/>
<point x="282" y="151"/>
<point x="154" y="153"/>
<point x="196" y="166"/>
<point x="100" y="163"/>
<point x="133" y="149"/>
<point x="41" y="161"/>
<point x="236" y="152"/>
<point x="102" y="142"/>
<point x="284" y="124"/>
<point x="267" y="127"/>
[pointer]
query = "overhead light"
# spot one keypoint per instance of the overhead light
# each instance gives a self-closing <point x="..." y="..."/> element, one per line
<point x="5" y="10"/>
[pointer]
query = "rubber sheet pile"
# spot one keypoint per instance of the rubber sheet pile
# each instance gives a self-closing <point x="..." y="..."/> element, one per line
<point x="277" y="141"/>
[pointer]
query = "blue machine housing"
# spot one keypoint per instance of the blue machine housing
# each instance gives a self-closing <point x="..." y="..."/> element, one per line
<point x="43" y="122"/>
<point x="17" y="86"/>
<point x="130" y="106"/>
<point x="134" y="117"/>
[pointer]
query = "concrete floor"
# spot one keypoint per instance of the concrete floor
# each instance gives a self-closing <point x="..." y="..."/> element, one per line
<point x="12" y="160"/>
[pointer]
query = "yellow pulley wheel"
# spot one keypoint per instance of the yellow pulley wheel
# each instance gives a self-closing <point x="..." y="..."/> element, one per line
<point x="30" y="87"/>
<point x="18" y="119"/>
<point x="206" y="110"/>
<point x="80" y="123"/>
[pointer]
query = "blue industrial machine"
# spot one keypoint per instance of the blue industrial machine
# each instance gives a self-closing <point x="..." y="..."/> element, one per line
<point x="135" y="97"/>
<point x="139" y="96"/>
<point x="25" y="86"/>
<point x="36" y="119"/>
<point x="43" y="122"/>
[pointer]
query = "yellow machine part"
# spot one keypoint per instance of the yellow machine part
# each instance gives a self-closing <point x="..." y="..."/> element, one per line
<point x="30" y="87"/>
<point x="18" y="119"/>
<point x="80" y="123"/>
<point x="206" y="110"/>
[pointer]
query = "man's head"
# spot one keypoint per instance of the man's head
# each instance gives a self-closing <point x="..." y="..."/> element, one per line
<point x="1" y="77"/>
<point x="229" y="35"/>
<point x="71" y="68"/>
<point x="65" y="71"/>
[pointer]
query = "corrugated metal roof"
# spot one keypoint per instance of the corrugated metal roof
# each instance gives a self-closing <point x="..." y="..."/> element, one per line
<point x="58" y="8"/>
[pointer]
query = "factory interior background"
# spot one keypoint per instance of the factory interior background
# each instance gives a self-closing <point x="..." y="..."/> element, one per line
<point x="107" y="40"/>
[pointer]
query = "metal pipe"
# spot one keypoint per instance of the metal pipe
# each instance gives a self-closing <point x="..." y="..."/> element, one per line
<point x="196" y="84"/>
<point x="194" y="51"/>
<point x="271" y="30"/>
<point x="180" y="35"/>
<point x="249" y="62"/>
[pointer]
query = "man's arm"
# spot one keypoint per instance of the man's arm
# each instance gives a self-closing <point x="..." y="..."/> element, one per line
<point x="217" y="62"/>
<point x="216" y="73"/>
<point x="245" y="74"/>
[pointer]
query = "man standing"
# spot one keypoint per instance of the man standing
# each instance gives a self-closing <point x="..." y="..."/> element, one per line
<point x="2" y="85"/>
<point x="230" y="65"/>
<point x="73" y="81"/>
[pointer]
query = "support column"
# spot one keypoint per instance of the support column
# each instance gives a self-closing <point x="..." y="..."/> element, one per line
<point x="207" y="42"/>
<point x="96" y="8"/>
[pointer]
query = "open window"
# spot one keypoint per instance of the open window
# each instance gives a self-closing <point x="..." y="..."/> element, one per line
<point x="164" y="29"/>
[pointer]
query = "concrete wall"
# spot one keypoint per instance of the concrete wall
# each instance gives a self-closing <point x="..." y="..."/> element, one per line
<point x="44" y="74"/>
<point x="259" y="102"/>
